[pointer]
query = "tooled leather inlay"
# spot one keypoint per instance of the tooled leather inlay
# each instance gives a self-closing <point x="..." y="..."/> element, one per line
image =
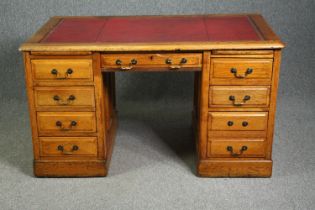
<point x="152" y="29"/>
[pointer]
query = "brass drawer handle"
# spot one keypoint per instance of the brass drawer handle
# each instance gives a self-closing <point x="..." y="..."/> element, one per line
<point x="62" y="149"/>
<point x="234" y="154"/>
<point x="247" y="72"/>
<point x="63" y="128"/>
<point x="245" y="99"/>
<point x="173" y="67"/>
<point x="132" y="63"/>
<point x="231" y="123"/>
<point x="56" y="73"/>
<point x="60" y="101"/>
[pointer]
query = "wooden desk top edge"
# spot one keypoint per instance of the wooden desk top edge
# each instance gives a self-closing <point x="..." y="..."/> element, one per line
<point x="271" y="40"/>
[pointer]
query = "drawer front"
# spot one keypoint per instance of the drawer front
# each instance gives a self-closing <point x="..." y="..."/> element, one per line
<point x="239" y="96"/>
<point x="241" y="71"/>
<point x="61" y="97"/>
<point x="66" y="122"/>
<point x="62" y="69"/>
<point x="238" y="121"/>
<point x="233" y="148"/>
<point x="171" y="61"/>
<point x="70" y="146"/>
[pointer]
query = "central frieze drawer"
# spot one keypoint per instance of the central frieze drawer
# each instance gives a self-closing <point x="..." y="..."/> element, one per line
<point x="66" y="122"/>
<point x="69" y="146"/>
<point x="171" y="61"/>
<point x="238" y="121"/>
<point x="239" y="96"/>
<point x="62" y="69"/>
<point x="64" y="97"/>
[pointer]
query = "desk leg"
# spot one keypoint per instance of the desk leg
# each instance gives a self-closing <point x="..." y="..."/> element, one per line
<point x="110" y="114"/>
<point x="201" y="107"/>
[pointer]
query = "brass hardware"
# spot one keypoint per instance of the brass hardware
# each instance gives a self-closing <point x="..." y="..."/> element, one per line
<point x="247" y="72"/>
<point x="130" y="66"/>
<point x="230" y="123"/>
<point x="56" y="98"/>
<point x="184" y="60"/>
<point x="175" y="67"/>
<point x="230" y="149"/>
<point x="169" y="62"/>
<point x="63" y="102"/>
<point x="60" y="125"/>
<point x="71" y="98"/>
<point x="126" y="67"/>
<point x="118" y="62"/>
<point x="246" y="98"/>
<point x="62" y="149"/>
<point x="75" y="148"/>
<point x="244" y="124"/>
<point x="69" y="71"/>
<point x="73" y="123"/>
<point x="134" y="62"/>
<point x="55" y="72"/>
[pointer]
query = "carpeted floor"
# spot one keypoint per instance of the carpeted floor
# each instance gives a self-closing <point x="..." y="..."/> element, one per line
<point x="153" y="165"/>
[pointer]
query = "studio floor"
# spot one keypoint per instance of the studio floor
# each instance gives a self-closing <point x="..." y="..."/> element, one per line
<point x="153" y="165"/>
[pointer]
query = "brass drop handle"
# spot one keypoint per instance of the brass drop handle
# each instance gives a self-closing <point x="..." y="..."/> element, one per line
<point x="132" y="63"/>
<point x="247" y="72"/>
<point x="69" y="152"/>
<point x="170" y="62"/>
<point x="234" y="154"/>
<point x="56" y="73"/>
<point x="64" y="102"/>
<point x="245" y="99"/>
<point x="63" y="128"/>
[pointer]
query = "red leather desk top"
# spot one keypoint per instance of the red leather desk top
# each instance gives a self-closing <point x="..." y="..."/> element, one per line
<point x="155" y="29"/>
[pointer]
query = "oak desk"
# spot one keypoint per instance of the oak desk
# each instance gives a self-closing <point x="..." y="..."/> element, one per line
<point x="70" y="66"/>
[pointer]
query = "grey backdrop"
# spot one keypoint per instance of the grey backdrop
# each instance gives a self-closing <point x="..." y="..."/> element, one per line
<point x="152" y="166"/>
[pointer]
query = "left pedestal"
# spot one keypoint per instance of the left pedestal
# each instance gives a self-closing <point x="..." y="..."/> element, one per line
<point x="72" y="112"/>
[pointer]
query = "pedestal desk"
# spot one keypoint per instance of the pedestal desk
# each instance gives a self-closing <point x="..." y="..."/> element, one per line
<point x="70" y="66"/>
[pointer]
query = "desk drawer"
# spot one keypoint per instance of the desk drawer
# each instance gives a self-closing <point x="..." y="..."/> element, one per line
<point x="69" y="146"/>
<point x="234" y="148"/>
<point x="238" y="121"/>
<point x="62" y="69"/>
<point x="239" y="96"/>
<point x="168" y="61"/>
<point x="66" y="122"/>
<point x="64" y="97"/>
<point x="241" y="71"/>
